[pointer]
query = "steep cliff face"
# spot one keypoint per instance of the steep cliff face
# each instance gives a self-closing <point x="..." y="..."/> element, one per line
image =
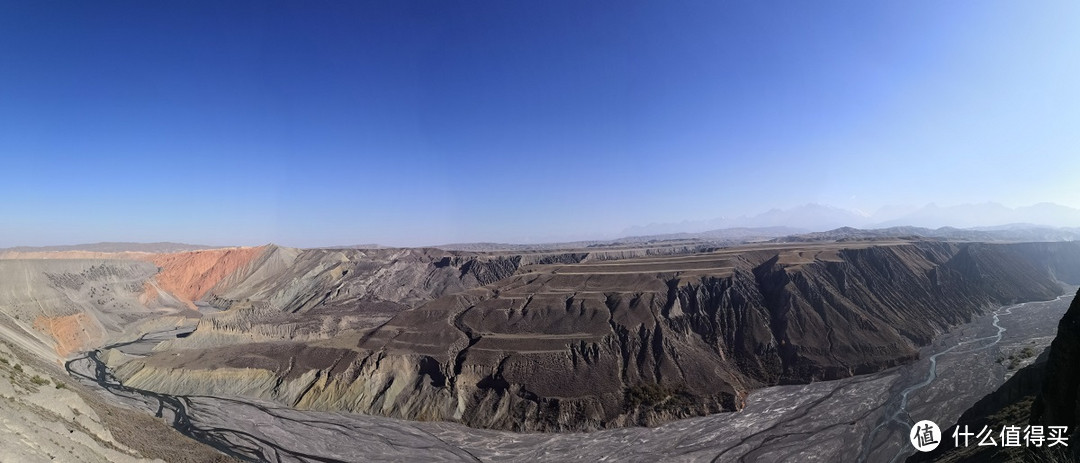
<point x="296" y="281"/>
<point x="293" y="294"/>
<point x="1058" y="259"/>
<point x="1059" y="402"/>
<point x="1007" y="406"/>
<point x="1044" y="393"/>
<point x="74" y="300"/>
<point x="589" y="344"/>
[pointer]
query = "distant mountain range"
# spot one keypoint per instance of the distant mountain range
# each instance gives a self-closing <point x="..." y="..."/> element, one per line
<point x="113" y="247"/>
<point x="817" y="217"/>
<point x="809" y="222"/>
<point x="721" y="236"/>
<point x="1011" y="233"/>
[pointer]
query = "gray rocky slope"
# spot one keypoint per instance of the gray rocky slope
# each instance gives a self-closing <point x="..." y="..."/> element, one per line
<point x="579" y="341"/>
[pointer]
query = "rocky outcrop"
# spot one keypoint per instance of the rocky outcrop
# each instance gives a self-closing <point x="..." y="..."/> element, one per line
<point x="297" y="281"/>
<point x="1059" y="402"/>
<point x="1044" y="393"/>
<point x="588" y="344"/>
<point x="292" y="294"/>
<point x="1009" y="405"/>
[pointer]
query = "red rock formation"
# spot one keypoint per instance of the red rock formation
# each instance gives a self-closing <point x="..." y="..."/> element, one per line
<point x="189" y="275"/>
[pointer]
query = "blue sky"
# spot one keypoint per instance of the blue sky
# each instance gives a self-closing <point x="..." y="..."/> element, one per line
<point x="410" y="123"/>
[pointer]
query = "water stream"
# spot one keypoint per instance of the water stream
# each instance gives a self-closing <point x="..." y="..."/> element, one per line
<point x="864" y="418"/>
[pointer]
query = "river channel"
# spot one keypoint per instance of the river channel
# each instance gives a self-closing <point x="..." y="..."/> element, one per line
<point x="864" y="418"/>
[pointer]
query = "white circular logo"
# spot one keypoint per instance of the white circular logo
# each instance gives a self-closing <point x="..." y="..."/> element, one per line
<point x="925" y="435"/>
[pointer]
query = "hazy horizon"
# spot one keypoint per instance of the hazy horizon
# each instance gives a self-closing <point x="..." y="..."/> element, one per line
<point x="930" y="216"/>
<point x="415" y="123"/>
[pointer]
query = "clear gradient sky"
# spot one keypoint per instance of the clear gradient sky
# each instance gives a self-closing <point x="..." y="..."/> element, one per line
<point x="410" y="123"/>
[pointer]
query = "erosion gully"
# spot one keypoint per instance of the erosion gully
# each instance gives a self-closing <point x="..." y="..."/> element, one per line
<point x="864" y="418"/>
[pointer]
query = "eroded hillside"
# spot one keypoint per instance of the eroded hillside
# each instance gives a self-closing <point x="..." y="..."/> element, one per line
<point x="577" y="340"/>
<point x="75" y="304"/>
<point x="77" y="300"/>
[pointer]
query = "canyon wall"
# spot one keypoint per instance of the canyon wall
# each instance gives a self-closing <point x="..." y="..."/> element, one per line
<point x="575" y="343"/>
<point x="1058" y="404"/>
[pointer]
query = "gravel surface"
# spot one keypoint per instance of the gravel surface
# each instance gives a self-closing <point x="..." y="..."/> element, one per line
<point x="865" y="418"/>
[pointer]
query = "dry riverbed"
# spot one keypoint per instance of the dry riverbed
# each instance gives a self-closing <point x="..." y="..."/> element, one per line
<point x="866" y="416"/>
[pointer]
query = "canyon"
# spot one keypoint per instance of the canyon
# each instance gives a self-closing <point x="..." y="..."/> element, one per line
<point x="551" y="340"/>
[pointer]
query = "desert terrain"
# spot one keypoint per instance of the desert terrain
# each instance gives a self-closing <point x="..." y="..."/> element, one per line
<point x="282" y="354"/>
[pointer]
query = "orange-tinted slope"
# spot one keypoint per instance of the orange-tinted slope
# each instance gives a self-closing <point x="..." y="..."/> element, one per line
<point x="72" y="332"/>
<point x="189" y="275"/>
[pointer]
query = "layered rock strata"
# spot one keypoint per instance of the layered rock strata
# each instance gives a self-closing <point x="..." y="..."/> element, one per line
<point x="572" y="343"/>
